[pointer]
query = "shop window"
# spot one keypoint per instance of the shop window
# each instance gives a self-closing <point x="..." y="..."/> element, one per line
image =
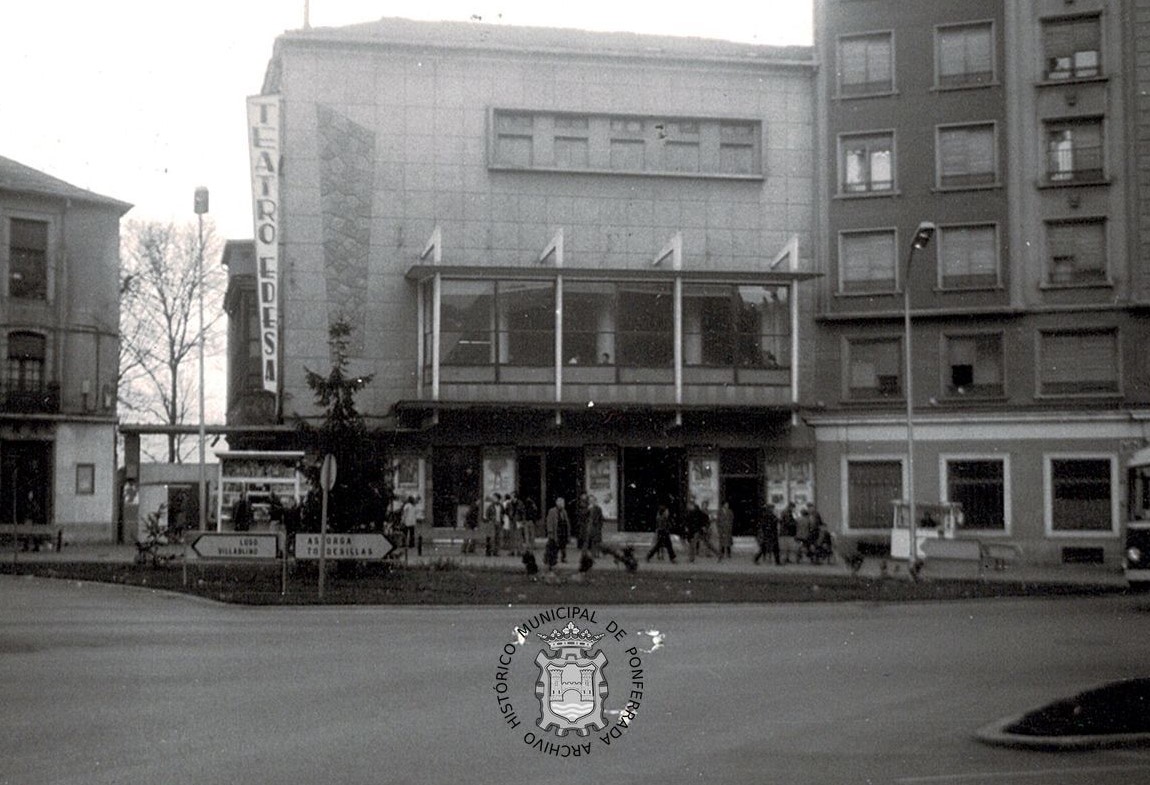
<point x="1074" y="151"/>
<point x="1072" y="48"/>
<point x="1080" y="493"/>
<point x="866" y="64"/>
<point x="975" y="365"/>
<point x="872" y="486"/>
<point x="966" y="156"/>
<point x="980" y="487"/>
<point x="646" y="326"/>
<point x="964" y="55"/>
<point x="28" y="259"/>
<point x="466" y="323"/>
<point x="1078" y="362"/>
<point x="968" y="257"/>
<point x="866" y="163"/>
<point x="874" y="368"/>
<point x="867" y="262"/>
<point x="1076" y="252"/>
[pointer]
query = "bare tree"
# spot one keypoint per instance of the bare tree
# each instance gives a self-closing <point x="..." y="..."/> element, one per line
<point x="159" y="320"/>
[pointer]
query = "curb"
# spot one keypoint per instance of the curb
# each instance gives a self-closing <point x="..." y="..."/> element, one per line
<point x="995" y="734"/>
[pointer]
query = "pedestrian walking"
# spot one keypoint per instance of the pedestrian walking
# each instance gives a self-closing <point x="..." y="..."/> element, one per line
<point x="787" y="525"/>
<point x="662" y="534"/>
<point x="558" y="530"/>
<point x="492" y="523"/>
<point x="242" y="516"/>
<point x="726" y="527"/>
<point x="698" y="525"/>
<point x="805" y="536"/>
<point x="582" y="508"/>
<point x="593" y="535"/>
<point x="407" y="519"/>
<point x="768" y="535"/>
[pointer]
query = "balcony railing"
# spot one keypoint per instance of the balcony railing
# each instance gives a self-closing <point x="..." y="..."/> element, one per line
<point x="21" y="400"/>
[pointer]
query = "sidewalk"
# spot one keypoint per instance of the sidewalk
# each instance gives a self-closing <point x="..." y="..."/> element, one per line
<point x="444" y="548"/>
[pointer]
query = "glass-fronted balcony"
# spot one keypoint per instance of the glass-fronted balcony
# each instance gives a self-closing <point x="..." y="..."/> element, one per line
<point x="624" y="337"/>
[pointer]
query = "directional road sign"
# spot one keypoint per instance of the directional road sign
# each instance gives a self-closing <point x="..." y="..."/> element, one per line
<point x="366" y="547"/>
<point x="236" y="545"/>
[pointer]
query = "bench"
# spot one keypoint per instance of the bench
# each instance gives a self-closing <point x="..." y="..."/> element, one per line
<point x="31" y="537"/>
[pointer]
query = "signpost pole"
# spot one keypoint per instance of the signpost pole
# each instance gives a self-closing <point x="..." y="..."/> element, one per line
<point x="283" y="565"/>
<point x="326" y="480"/>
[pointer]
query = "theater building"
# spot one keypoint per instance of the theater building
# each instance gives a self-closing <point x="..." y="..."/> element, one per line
<point x="573" y="261"/>
<point x="59" y="336"/>
<point x="1008" y="126"/>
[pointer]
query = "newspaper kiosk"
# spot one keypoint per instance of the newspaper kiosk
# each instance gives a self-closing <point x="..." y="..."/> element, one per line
<point x="936" y="520"/>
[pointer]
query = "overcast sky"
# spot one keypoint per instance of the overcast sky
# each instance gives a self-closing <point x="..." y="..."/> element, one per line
<point x="143" y="100"/>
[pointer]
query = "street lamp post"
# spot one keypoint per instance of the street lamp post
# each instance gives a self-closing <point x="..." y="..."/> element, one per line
<point x="201" y="206"/>
<point x="922" y="237"/>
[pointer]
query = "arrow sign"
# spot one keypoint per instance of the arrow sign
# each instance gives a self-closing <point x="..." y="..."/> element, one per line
<point x="236" y="545"/>
<point x="365" y="547"/>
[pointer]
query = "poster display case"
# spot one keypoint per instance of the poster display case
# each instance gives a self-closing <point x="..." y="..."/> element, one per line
<point x="261" y="475"/>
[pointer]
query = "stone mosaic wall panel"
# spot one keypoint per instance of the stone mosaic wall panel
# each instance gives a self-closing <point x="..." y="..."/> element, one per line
<point x="347" y="177"/>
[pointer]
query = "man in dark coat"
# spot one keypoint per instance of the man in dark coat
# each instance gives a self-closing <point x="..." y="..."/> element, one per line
<point x="768" y="535"/>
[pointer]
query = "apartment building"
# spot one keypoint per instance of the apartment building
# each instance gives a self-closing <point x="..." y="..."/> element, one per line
<point x="59" y="335"/>
<point x="1003" y="126"/>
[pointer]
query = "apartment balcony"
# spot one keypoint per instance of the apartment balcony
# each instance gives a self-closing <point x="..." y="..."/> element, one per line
<point x="20" y="399"/>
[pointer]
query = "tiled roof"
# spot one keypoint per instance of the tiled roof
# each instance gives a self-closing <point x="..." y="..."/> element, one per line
<point x="15" y="176"/>
<point x="477" y="35"/>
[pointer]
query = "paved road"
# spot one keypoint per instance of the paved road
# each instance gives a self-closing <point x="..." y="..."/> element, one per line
<point x="104" y="684"/>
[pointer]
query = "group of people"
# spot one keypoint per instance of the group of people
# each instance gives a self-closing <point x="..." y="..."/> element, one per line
<point x="789" y="537"/>
<point x="504" y="522"/>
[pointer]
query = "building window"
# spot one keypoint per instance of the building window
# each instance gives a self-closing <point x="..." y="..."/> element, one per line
<point x="646" y="325"/>
<point x="588" y="323"/>
<point x="966" y="156"/>
<point x="964" y="55"/>
<point x="708" y="325"/>
<point x="974" y="365"/>
<point x="26" y="356"/>
<point x="1074" y="151"/>
<point x="1076" y="252"/>
<point x="1083" y="362"/>
<point x="85" y="479"/>
<point x="1072" y="47"/>
<point x="28" y="259"/>
<point x="872" y="486"/>
<point x="866" y="64"/>
<point x="680" y="145"/>
<point x="737" y="148"/>
<point x="874" y="368"/>
<point x="1080" y="494"/>
<point x="968" y="257"/>
<point x="979" y="485"/>
<point x="866" y="163"/>
<point x="619" y="143"/>
<point x="867" y="262"/>
<point x="762" y="327"/>
<point x="467" y="321"/>
<point x="526" y="323"/>
<point x="572" y="148"/>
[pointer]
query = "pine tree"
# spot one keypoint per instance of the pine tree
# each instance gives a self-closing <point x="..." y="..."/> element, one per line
<point x="353" y="501"/>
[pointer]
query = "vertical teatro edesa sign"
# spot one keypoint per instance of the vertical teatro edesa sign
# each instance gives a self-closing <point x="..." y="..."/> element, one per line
<point x="264" y="146"/>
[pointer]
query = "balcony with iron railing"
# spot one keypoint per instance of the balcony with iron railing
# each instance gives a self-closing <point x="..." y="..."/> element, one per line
<point x="29" y="399"/>
<point x="1072" y="165"/>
